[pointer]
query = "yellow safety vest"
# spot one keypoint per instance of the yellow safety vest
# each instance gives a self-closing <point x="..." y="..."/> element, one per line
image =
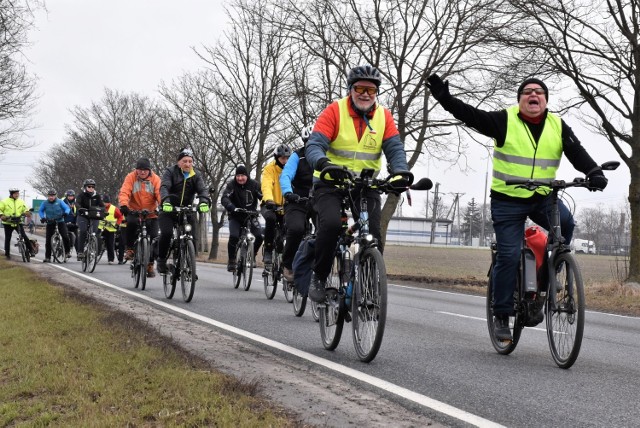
<point x="522" y="158"/>
<point x="356" y="155"/>
<point x="109" y="221"/>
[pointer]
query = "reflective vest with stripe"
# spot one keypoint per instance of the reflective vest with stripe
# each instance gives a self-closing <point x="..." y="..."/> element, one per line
<point x="356" y="155"/>
<point x="109" y="221"/>
<point x="522" y="158"/>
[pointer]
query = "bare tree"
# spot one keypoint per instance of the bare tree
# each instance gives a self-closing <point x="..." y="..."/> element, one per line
<point x="595" y="45"/>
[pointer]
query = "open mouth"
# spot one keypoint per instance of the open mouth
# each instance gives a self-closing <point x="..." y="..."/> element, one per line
<point x="534" y="102"/>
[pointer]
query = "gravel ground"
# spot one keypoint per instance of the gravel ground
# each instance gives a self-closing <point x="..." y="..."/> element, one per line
<point x="316" y="396"/>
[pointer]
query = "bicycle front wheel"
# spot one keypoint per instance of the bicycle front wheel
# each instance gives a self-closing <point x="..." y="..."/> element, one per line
<point x="271" y="280"/>
<point x="239" y="271"/>
<point x="92" y="253"/>
<point x="299" y="301"/>
<point x="169" y="278"/>
<point x="248" y="267"/>
<point x="143" y="260"/>
<point x="315" y="312"/>
<point x="369" y="304"/>
<point x="57" y="248"/>
<point x="331" y="312"/>
<point x="565" y="311"/>
<point x="501" y="347"/>
<point x="188" y="275"/>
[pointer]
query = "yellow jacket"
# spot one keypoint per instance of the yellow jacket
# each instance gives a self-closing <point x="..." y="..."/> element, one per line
<point x="270" y="183"/>
<point x="12" y="208"/>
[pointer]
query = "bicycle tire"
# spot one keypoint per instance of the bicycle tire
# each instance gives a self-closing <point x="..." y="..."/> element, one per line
<point x="85" y="259"/>
<point x="188" y="275"/>
<point x="135" y="266"/>
<point x="92" y="253"/>
<point x="501" y="347"/>
<point x="287" y="287"/>
<point x="237" y="274"/>
<point x="299" y="302"/>
<point x="100" y="248"/>
<point x="248" y="267"/>
<point x="315" y="313"/>
<point x="23" y="251"/>
<point x="57" y="249"/>
<point x="271" y="280"/>
<point x="144" y="260"/>
<point x="168" y="279"/>
<point x="331" y="312"/>
<point x="369" y="304"/>
<point x="565" y="312"/>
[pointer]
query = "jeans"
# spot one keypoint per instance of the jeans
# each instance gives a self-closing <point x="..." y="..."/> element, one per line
<point x="508" y="223"/>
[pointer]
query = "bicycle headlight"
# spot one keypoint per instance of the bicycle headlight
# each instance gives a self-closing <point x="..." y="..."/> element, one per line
<point x="251" y="237"/>
<point x="369" y="237"/>
<point x="187" y="228"/>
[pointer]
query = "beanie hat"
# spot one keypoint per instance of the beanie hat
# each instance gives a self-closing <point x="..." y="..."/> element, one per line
<point x="241" y="170"/>
<point x="106" y="199"/>
<point x="143" y="163"/>
<point x="184" y="153"/>
<point x="536" y="81"/>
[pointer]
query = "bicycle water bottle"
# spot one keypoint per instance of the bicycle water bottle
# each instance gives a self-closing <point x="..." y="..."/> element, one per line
<point x="529" y="273"/>
<point x="348" y="293"/>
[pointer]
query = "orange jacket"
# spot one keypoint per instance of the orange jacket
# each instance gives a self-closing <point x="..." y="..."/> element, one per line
<point x="140" y="194"/>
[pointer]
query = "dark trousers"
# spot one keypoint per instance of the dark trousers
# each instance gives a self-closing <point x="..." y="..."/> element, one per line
<point x="327" y="203"/>
<point x="152" y="231"/>
<point x="508" y="223"/>
<point x="8" y="230"/>
<point x="270" y="224"/>
<point x="166" y="221"/>
<point x="109" y="242"/>
<point x="295" y="217"/>
<point x="51" y="228"/>
<point x="82" y="231"/>
<point x="121" y="243"/>
<point x="234" y="236"/>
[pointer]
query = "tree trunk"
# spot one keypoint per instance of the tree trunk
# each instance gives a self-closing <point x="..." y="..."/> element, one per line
<point x="634" y="205"/>
<point x="387" y="212"/>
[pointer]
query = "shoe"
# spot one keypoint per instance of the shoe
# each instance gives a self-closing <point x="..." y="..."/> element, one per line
<point x="501" y="328"/>
<point x="80" y="257"/>
<point x="121" y="262"/>
<point x="7" y="256"/>
<point x="129" y="254"/>
<point x="150" y="272"/>
<point x="162" y="266"/>
<point x="316" y="289"/>
<point x="46" y="260"/>
<point x="231" y="267"/>
<point x="268" y="258"/>
<point x="288" y="274"/>
<point x="67" y="256"/>
<point x="535" y="318"/>
<point x="110" y="262"/>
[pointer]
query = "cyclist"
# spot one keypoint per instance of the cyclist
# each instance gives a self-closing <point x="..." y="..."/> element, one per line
<point x="109" y="226"/>
<point x="140" y="191"/>
<point x="295" y="181"/>
<point x="70" y="219"/>
<point x="241" y="193"/>
<point x="54" y="209"/>
<point x="88" y="200"/>
<point x="180" y="184"/>
<point x="352" y="132"/>
<point x="272" y="197"/>
<point x="13" y="206"/>
<point x="529" y="142"/>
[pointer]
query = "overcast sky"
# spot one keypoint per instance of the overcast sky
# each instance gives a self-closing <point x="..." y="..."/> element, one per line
<point x="81" y="47"/>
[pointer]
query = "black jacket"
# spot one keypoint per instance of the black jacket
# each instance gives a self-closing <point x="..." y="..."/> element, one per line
<point x="244" y="196"/>
<point x="183" y="190"/>
<point x="89" y="200"/>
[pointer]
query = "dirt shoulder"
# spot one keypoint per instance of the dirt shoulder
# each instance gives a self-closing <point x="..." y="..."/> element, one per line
<point x="316" y="396"/>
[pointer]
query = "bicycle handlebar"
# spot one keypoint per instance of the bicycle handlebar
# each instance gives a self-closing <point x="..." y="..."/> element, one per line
<point x="347" y="179"/>
<point x="531" y="184"/>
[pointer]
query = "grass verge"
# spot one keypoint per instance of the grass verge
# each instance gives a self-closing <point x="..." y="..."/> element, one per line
<point x="68" y="361"/>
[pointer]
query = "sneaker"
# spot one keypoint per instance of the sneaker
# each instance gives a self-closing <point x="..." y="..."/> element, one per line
<point x="535" y="318"/>
<point x="150" y="272"/>
<point x="110" y="262"/>
<point x="231" y="267"/>
<point x="121" y="262"/>
<point x="128" y="254"/>
<point x="501" y="327"/>
<point x="46" y="260"/>
<point x="316" y="289"/>
<point x="162" y="266"/>
<point x="288" y="274"/>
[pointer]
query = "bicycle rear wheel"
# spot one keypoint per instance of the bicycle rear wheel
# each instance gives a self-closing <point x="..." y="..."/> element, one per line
<point x="143" y="260"/>
<point x="501" y="347"/>
<point x="248" y="267"/>
<point x="299" y="301"/>
<point x="188" y="275"/>
<point x="57" y="248"/>
<point x="315" y="313"/>
<point x="369" y="304"/>
<point x="237" y="274"/>
<point x="271" y="280"/>
<point x="169" y="279"/>
<point x="565" y="312"/>
<point x="92" y="254"/>
<point x="331" y="312"/>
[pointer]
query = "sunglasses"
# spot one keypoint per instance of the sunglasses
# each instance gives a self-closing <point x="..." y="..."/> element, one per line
<point x="362" y="89"/>
<point x="90" y="186"/>
<point x="529" y="91"/>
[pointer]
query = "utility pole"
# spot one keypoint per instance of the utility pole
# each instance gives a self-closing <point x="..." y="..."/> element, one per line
<point x="433" y="218"/>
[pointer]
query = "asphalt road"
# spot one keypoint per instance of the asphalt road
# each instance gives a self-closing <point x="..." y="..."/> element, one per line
<point x="436" y="359"/>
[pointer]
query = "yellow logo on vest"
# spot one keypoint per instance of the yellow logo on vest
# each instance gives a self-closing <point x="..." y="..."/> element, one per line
<point x="369" y="143"/>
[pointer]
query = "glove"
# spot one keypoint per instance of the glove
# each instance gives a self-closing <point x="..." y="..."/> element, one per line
<point x="270" y="205"/>
<point x="597" y="181"/>
<point x="238" y="210"/>
<point x="231" y="208"/>
<point x="438" y="88"/>
<point x="43" y="220"/>
<point x="124" y="210"/>
<point x="399" y="182"/>
<point x="292" y="197"/>
<point x="167" y="207"/>
<point x="338" y="175"/>
<point x="203" y="207"/>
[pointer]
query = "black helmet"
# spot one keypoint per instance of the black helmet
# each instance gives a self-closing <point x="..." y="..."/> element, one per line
<point x="70" y="192"/>
<point x="89" y="181"/>
<point x="13" y="190"/>
<point x="52" y="192"/>
<point x="282" y="150"/>
<point x="364" y="72"/>
<point x="306" y="133"/>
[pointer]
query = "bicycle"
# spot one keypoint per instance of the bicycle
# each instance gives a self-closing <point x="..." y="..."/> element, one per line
<point x="245" y="256"/>
<point x="183" y="255"/>
<point x="275" y="274"/>
<point x="557" y="288"/>
<point x="142" y="253"/>
<point x="57" y="244"/>
<point x="356" y="289"/>
<point x="91" y="248"/>
<point x="22" y="247"/>
<point x="300" y="299"/>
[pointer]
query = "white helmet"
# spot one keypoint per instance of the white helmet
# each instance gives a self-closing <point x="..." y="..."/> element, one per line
<point x="306" y="133"/>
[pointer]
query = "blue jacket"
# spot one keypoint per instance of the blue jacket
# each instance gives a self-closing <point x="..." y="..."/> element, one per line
<point x="297" y="175"/>
<point x="54" y="210"/>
